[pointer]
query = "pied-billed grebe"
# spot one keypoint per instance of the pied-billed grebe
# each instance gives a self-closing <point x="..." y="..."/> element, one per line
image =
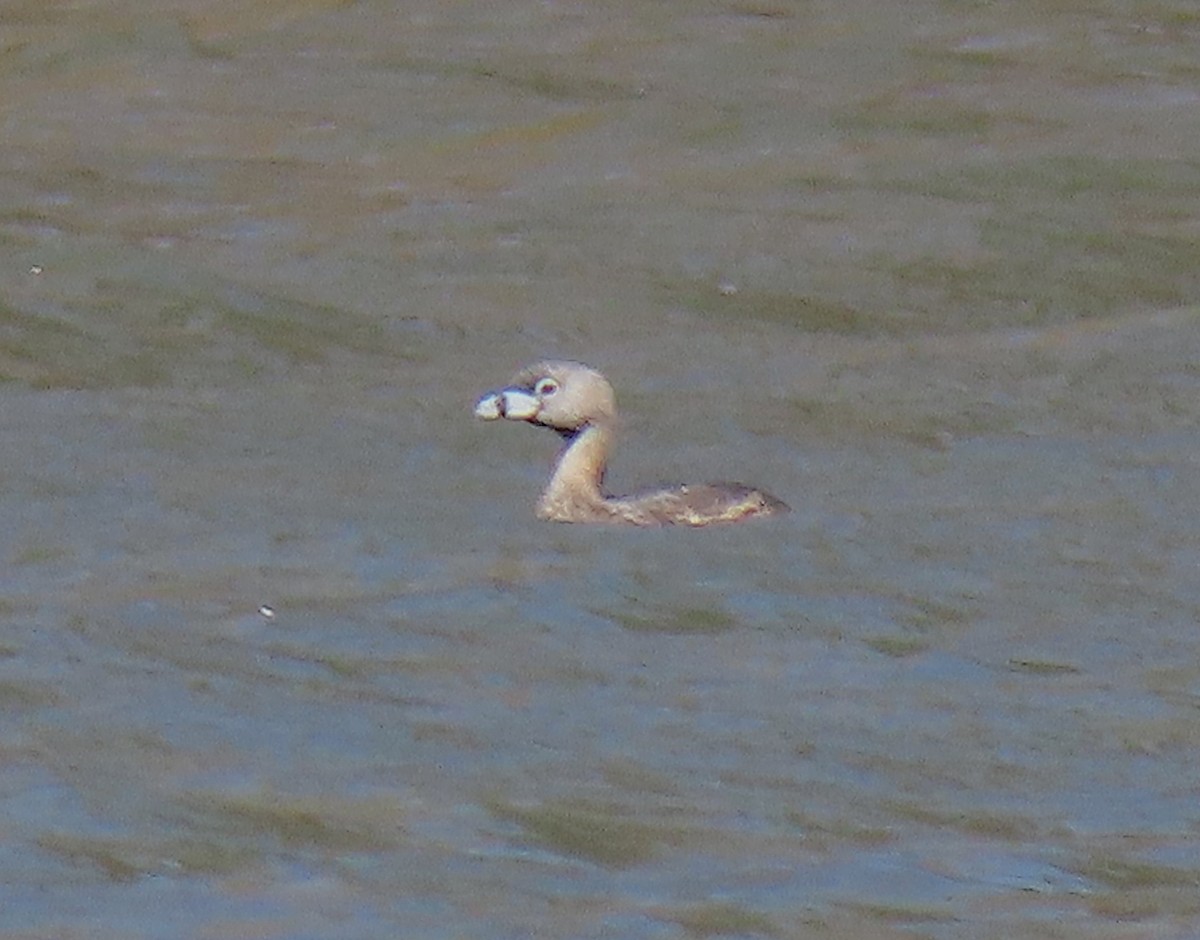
<point x="579" y="404"/>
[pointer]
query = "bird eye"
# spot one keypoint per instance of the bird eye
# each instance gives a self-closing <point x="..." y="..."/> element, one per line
<point x="546" y="387"/>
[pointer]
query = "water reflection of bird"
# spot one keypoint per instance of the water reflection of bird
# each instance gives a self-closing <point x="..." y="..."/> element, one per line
<point x="579" y="404"/>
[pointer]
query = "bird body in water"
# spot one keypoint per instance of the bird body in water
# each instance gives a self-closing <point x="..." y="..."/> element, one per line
<point x="578" y="403"/>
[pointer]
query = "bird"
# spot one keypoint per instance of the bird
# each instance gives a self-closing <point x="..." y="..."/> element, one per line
<point x="578" y="402"/>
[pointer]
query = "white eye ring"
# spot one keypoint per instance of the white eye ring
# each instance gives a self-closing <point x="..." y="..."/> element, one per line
<point x="546" y="387"/>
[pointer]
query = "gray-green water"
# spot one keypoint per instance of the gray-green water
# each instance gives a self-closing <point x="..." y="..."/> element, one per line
<point x="926" y="270"/>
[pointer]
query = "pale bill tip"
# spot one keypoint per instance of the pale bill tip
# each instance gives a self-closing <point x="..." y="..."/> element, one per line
<point x="488" y="407"/>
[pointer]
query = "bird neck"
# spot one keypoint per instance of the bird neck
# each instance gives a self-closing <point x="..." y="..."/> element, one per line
<point x="580" y="471"/>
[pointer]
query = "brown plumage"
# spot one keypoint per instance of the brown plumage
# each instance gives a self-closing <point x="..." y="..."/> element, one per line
<point x="579" y="404"/>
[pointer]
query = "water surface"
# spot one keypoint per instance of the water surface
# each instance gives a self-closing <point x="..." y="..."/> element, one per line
<point x="284" y="652"/>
